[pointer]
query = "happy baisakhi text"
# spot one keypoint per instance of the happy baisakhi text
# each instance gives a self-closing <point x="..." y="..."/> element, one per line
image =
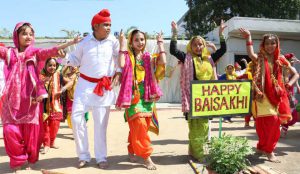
<point x="210" y="99"/>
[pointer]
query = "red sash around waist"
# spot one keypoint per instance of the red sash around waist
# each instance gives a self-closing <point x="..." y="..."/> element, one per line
<point x="104" y="82"/>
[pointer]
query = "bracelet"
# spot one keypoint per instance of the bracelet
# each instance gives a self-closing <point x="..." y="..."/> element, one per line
<point x="123" y="52"/>
<point x="246" y="36"/>
<point x="159" y="41"/>
<point x="249" y="43"/>
<point x="287" y="86"/>
<point x="162" y="52"/>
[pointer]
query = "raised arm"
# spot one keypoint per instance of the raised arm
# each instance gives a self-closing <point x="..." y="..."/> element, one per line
<point x="44" y="54"/>
<point x="76" y="40"/>
<point x="122" y="41"/>
<point x="222" y="50"/>
<point x="249" y="44"/>
<point x="295" y="76"/>
<point x="162" y="53"/>
<point x="180" y="55"/>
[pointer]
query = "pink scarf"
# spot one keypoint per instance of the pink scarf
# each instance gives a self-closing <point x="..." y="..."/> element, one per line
<point x="152" y="90"/>
<point x="186" y="76"/>
<point x="22" y="82"/>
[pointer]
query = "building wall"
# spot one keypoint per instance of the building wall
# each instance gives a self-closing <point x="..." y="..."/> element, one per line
<point x="236" y="46"/>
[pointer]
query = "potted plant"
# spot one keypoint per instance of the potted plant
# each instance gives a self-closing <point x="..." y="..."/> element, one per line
<point x="227" y="155"/>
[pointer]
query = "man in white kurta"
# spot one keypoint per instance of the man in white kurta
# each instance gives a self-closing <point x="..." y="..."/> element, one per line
<point x="97" y="56"/>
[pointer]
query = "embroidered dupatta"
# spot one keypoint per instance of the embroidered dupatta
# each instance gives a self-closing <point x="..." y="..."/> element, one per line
<point x="21" y="83"/>
<point x="152" y="90"/>
<point x="52" y="105"/>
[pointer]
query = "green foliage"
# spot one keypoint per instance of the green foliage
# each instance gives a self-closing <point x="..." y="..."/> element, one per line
<point x="205" y="14"/>
<point x="227" y="154"/>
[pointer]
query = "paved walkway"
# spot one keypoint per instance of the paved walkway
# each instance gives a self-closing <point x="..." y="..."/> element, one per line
<point x="170" y="147"/>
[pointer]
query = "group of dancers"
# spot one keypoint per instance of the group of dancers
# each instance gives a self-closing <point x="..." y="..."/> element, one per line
<point x="34" y="83"/>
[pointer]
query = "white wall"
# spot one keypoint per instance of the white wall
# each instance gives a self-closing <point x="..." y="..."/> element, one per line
<point x="169" y="85"/>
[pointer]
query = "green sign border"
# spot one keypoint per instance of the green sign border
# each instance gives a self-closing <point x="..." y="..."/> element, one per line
<point x="219" y="81"/>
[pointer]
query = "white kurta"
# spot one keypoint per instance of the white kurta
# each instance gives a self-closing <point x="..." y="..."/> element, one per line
<point x="240" y="72"/>
<point x="96" y="59"/>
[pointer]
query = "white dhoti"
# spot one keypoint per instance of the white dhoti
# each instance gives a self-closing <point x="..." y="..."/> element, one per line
<point x="100" y="116"/>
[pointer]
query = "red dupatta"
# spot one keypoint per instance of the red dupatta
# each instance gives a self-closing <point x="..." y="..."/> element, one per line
<point x="271" y="84"/>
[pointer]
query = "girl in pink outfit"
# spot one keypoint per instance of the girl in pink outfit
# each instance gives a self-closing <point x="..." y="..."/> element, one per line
<point x="22" y="94"/>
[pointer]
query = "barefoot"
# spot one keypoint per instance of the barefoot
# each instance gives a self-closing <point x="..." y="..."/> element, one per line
<point x="247" y="125"/>
<point x="132" y="158"/>
<point x="272" y="158"/>
<point x="28" y="167"/>
<point x="259" y="152"/>
<point x="283" y="133"/>
<point x="45" y="150"/>
<point x="17" y="169"/>
<point x="54" y="146"/>
<point x="149" y="164"/>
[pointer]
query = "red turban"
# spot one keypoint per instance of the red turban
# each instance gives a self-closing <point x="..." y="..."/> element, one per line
<point x="101" y="17"/>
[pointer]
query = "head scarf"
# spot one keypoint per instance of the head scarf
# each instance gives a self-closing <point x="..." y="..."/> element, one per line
<point x="270" y="83"/>
<point x="205" y="52"/>
<point x="129" y="44"/>
<point x="230" y="76"/>
<point x="15" y="34"/>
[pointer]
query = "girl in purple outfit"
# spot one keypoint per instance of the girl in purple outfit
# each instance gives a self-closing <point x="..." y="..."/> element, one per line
<point x="22" y="94"/>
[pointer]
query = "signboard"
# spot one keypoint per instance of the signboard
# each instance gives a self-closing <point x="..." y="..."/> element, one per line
<point x="211" y="98"/>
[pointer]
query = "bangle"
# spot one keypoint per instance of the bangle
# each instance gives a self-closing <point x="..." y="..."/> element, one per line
<point x="249" y="43"/>
<point x="162" y="52"/>
<point x="123" y="52"/>
<point x="287" y="86"/>
<point x="159" y="41"/>
<point x="246" y="36"/>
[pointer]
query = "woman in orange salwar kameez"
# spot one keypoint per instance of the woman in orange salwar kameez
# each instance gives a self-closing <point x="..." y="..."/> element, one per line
<point x="139" y="91"/>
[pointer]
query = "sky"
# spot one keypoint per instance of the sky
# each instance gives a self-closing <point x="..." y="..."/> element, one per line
<point x="49" y="17"/>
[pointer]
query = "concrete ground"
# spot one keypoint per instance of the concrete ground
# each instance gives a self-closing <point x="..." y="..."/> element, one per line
<point x="170" y="147"/>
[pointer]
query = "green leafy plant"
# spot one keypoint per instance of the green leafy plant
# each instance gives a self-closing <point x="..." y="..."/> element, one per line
<point x="227" y="155"/>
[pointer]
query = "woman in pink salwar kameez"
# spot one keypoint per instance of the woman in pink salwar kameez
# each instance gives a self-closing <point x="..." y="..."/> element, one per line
<point x="22" y="94"/>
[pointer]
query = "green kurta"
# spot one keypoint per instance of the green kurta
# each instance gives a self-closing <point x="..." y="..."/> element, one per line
<point x="142" y="108"/>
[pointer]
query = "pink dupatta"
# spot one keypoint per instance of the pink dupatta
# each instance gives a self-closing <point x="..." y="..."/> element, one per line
<point x="22" y="82"/>
<point x="152" y="90"/>
<point x="186" y="76"/>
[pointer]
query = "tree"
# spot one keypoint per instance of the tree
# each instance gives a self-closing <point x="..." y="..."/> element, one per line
<point x="5" y="33"/>
<point x="203" y="15"/>
<point x="71" y="33"/>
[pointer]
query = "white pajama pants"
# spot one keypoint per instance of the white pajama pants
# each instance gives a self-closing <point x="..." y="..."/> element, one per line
<point x="100" y="117"/>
